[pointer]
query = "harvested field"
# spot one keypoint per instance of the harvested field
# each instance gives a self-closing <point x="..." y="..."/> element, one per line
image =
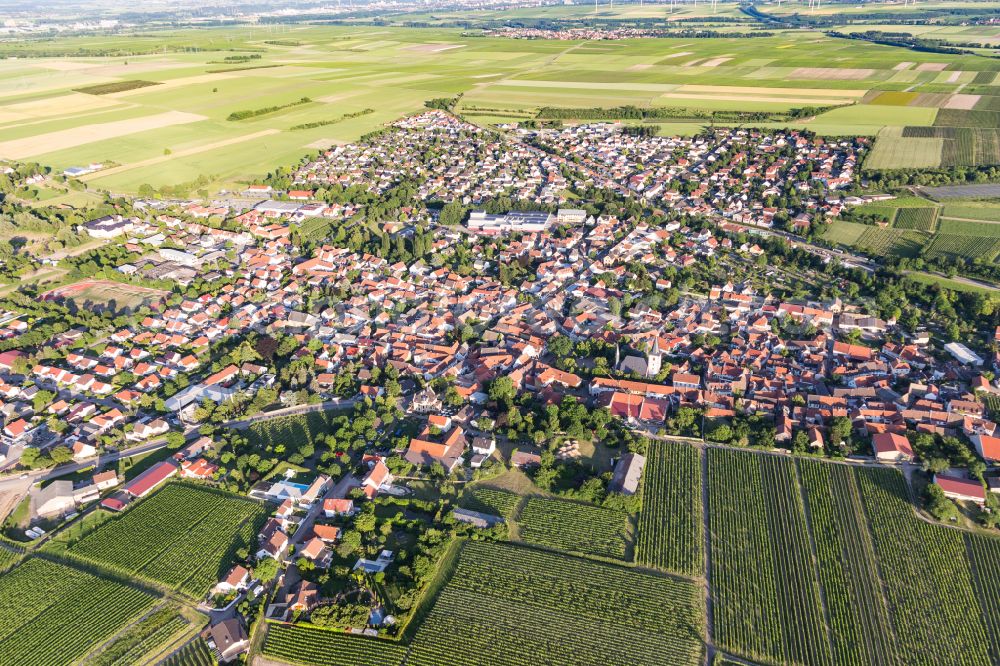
<point x="580" y="85"/>
<point x="323" y="144"/>
<point x="893" y="151"/>
<point x="53" y="141"/>
<point x="805" y="101"/>
<point x="788" y="92"/>
<point x="964" y="102"/>
<point x="105" y="294"/>
<point x="434" y="48"/>
<point x="902" y="65"/>
<point x="63" y="65"/>
<point x="831" y="73"/>
<point x="931" y="66"/>
<point x="71" y="103"/>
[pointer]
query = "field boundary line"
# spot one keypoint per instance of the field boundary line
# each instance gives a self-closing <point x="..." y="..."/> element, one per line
<point x="807" y="516"/>
<point x="710" y="648"/>
<point x="187" y="152"/>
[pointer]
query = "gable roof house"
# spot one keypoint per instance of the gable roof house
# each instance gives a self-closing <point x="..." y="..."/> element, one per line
<point x="378" y="478"/>
<point x="228" y="638"/>
<point x="424" y="450"/>
<point x="891" y="447"/>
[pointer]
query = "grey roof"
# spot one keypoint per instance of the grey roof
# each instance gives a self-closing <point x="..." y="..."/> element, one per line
<point x="628" y="471"/>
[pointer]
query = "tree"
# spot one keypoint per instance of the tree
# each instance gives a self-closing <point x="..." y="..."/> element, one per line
<point x="266" y="570"/>
<point x="175" y="440"/>
<point x="42" y="400"/>
<point x="503" y="391"/>
<point x="800" y="443"/>
<point x="453" y="213"/>
<point x="560" y="346"/>
<point x="61" y="454"/>
<point x="940" y="506"/>
<point x="840" y="430"/>
<point x="365" y="523"/>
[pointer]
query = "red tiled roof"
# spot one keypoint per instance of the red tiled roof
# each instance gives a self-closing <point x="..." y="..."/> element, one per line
<point x="151" y="478"/>
<point x="959" y="486"/>
<point x="889" y="442"/>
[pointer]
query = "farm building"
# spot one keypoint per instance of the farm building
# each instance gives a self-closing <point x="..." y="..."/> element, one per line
<point x="960" y="488"/>
<point x="963" y="354"/>
<point x="141" y="485"/>
<point x="475" y="518"/>
<point x="627" y="473"/>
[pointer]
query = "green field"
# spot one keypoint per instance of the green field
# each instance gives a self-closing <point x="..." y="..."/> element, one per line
<point x="393" y="70"/>
<point x="671" y="534"/>
<point x="881" y="242"/>
<point x="765" y="597"/>
<point x="508" y="605"/>
<point x="820" y="563"/>
<point x="989" y="212"/>
<point x="143" y="637"/>
<point x="576" y="527"/>
<point x="296" y="644"/>
<point x="51" y="614"/>
<point x="948" y="283"/>
<point x="918" y="219"/>
<point x="181" y="536"/>
<point x="840" y="232"/>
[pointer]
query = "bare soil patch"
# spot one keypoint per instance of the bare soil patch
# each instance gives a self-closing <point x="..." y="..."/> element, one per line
<point x="831" y="73"/>
<point x="931" y="66"/>
<point x="964" y="102"/>
<point x="105" y="294"/>
<point x="780" y="92"/>
<point x="433" y="48"/>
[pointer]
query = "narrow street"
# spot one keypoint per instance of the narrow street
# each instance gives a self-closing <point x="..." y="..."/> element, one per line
<point x="337" y="403"/>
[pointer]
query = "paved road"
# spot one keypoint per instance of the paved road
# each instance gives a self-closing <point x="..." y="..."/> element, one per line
<point x="338" y="403"/>
<point x="14" y="481"/>
<point x="338" y="491"/>
<point x="958" y="278"/>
